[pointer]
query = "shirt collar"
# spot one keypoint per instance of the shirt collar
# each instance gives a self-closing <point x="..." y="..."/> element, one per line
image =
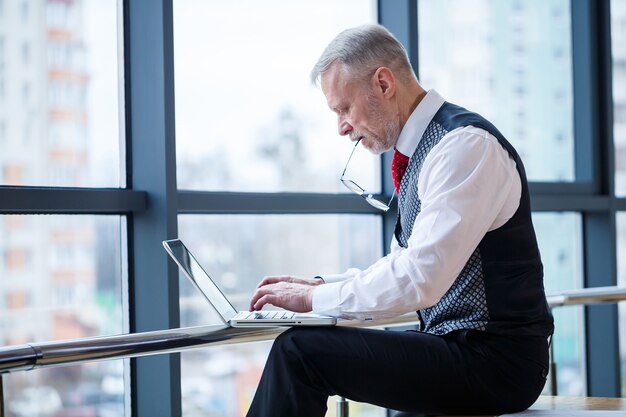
<point x="417" y="122"/>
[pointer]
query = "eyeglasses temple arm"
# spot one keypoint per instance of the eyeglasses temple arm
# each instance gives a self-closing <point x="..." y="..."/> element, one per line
<point x="349" y="158"/>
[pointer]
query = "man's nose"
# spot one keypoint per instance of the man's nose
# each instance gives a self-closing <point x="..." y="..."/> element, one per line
<point x="344" y="127"/>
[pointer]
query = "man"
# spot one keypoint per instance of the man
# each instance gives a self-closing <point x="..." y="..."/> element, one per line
<point x="464" y="256"/>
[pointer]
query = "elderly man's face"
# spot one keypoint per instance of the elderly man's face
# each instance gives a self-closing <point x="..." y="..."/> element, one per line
<point x="362" y="111"/>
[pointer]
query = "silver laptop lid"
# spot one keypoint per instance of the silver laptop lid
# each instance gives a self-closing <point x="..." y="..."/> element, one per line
<point x="200" y="278"/>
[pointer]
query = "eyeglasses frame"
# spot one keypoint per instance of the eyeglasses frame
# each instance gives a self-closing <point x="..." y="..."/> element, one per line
<point x="360" y="191"/>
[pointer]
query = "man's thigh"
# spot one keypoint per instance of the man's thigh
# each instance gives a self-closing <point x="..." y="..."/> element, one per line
<point x="401" y="370"/>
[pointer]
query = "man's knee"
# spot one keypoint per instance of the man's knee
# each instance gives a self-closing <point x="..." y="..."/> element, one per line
<point x="292" y="339"/>
<point x="299" y="343"/>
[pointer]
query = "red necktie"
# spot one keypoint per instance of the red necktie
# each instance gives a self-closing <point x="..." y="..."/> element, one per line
<point x="398" y="166"/>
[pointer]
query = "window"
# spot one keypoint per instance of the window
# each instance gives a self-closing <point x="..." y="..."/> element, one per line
<point x="559" y="238"/>
<point x="25" y="54"/>
<point x="2" y="53"/>
<point x="3" y="131"/>
<point x="17" y="299"/>
<point x="15" y="259"/>
<point x="57" y="14"/>
<point x="26" y="93"/>
<point x="621" y="281"/>
<point x="448" y="54"/>
<point x="306" y="245"/>
<point x="618" y="40"/>
<point x="24" y="11"/>
<point x="247" y="117"/>
<point x="80" y="89"/>
<point x="63" y="274"/>
<point x="61" y="279"/>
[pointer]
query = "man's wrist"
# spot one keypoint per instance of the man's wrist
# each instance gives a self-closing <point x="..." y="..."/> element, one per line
<point x="310" y="299"/>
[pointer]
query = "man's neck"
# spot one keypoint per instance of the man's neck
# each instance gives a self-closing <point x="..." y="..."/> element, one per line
<point x="409" y="101"/>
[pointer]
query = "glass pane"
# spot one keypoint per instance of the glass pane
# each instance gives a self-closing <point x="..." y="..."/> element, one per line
<point x="62" y="278"/>
<point x="59" y="123"/>
<point x="559" y="237"/>
<point x="618" y="41"/>
<point x="511" y="61"/>
<point x="247" y="116"/>
<point x="234" y="250"/>
<point x="621" y="281"/>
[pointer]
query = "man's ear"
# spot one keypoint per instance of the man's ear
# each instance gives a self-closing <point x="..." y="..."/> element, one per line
<point x="385" y="81"/>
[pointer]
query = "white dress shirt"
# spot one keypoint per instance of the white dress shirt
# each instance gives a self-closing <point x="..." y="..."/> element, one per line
<point x="468" y="185"/>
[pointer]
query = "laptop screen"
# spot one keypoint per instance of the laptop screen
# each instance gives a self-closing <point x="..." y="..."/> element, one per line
<point x="200" y="278"/>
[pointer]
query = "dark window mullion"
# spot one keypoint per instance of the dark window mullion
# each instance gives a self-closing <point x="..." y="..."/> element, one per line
<point x="50" y="200"/>
<point x="595" y="161"/>
<point x="589" y="71"/>
<point x="207" y="202"/>
<point x="619" y="204"/>
<point x="400" y="17"/>
<point x="578" y="203"/>
<point x="153" y="279"/>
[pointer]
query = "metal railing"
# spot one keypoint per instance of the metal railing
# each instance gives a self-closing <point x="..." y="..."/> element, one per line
<point x="579" y="297"/>
<point x="586" y="296"/>
<point x="65" y="352"/>
<point x="48" y="354"/>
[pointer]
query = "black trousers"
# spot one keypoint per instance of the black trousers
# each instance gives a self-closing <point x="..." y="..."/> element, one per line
<point x="465" y="372"/>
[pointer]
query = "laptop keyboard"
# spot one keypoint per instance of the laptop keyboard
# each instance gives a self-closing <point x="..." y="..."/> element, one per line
<point x="266" y="315"/>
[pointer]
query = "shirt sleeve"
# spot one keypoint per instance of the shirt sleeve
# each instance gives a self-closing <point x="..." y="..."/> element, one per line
<point x="468" y="186"/>
<point x="354" y="272"/>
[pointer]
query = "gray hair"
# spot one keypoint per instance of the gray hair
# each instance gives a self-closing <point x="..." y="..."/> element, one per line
<point x="363" y="49"/>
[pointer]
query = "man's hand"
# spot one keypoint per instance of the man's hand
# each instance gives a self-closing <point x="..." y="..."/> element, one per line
<point x="290" y="293"/>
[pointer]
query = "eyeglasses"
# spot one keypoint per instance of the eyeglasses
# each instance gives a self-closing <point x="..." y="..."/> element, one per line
<point x="356" y="188"/>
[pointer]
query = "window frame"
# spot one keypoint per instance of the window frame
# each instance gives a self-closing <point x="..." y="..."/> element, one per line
<point x="151" y="201"/>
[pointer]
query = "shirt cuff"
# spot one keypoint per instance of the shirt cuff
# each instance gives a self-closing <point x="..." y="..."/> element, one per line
<point x="331" y="278"/>
<point x="326" y="299"/>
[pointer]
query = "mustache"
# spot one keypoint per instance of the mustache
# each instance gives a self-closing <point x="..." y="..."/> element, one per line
<point x="356" y="136"/>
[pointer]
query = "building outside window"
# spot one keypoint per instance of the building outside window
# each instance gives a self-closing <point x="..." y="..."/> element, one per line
<point x="61" y="275"/>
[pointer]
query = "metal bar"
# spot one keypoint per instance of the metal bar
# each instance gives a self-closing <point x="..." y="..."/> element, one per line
<point x="554" y="389"/>
<point x="343" y="407"/>
<point x="48" y="354"/>
<point x="66" y="352"/>
<point x="19" y="358"/>
<point x="586" y="296"/>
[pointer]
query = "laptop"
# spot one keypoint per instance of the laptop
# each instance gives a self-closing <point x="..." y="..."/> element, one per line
<point x="229" y="314"/>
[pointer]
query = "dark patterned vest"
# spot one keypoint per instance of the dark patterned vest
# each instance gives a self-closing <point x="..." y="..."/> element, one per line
<point x="500" y="289"/>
